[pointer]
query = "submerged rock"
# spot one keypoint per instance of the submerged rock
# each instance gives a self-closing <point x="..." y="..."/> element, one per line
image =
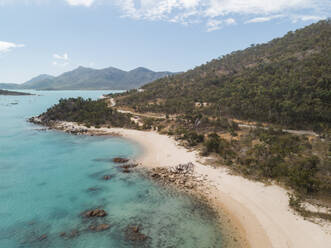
<point x="95" y="213"/>
<point x="106" y="177"/>
<point x="133" y="233"/>
<point x="128" y="166"/>
<point x="126" y="171"/>
<point x="42" y="237"/>
<point x="120" y="160"/>
<point x="72" y="234"/>
<point x="93" y="189"/>
<point x="99" y="228"/>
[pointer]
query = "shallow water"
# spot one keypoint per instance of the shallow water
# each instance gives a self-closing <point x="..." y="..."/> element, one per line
<point x="48" y="178"/>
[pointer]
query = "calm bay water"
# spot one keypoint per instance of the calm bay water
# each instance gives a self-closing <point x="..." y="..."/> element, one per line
<point x="47" y="178"/>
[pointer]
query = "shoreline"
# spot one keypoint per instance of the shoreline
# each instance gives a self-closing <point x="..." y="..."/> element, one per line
<point x="259" y="214"/>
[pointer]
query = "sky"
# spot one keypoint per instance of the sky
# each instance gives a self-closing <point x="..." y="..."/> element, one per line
<point x="55" y="36"/>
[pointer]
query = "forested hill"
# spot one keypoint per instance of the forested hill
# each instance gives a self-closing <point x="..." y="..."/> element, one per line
<point x="286" y="81"/>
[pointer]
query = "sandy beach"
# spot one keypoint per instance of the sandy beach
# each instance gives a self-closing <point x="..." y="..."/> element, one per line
<point x="261" y="213"/>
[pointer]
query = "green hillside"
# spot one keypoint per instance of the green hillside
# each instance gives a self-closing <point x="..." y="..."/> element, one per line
<point x="286" y="81"/>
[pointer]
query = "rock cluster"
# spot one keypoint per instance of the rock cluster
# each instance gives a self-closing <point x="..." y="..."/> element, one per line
<point x="35" y="120"/>
<point x="181" y="175"/>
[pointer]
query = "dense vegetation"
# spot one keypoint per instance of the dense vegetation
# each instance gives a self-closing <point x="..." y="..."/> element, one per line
<point x="301" y="163"/>
<point x="88" y="112"/>
<point x="286" y="81"/>
<point x="285" y="157"/>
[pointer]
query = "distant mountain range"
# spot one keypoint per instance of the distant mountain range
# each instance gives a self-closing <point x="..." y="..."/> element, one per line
<point x="84" y="78"/>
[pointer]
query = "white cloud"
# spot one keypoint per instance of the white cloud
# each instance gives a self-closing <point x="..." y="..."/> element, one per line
<point x="212" y="13"/>
<point x="216" y="13"/>
<point x="307" y="18"/>
<point x="61" y="60"/>
<point x="6" y="2"/>
<point x="214" y="24"/>
<point x="230" y="21"/>
<point x="86" y="3"/>
<point x="263" y="19"/>
<point x="61" y="57"/>
<point x="8" y="46"/>
<point x="225" y="7"/>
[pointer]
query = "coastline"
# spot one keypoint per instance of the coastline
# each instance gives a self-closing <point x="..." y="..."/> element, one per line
<point x="259" y="213"/>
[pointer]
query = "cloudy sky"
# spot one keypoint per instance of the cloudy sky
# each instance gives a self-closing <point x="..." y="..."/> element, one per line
<point x="54" y="36"/>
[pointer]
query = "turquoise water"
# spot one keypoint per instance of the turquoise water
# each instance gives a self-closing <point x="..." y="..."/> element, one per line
<point x="48" y="178"/>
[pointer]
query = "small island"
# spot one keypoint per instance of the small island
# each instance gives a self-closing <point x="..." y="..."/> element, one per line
<point x="14" y="93"/>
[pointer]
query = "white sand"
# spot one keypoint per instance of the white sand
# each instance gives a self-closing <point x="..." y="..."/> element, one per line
<point x="261" y="211"/>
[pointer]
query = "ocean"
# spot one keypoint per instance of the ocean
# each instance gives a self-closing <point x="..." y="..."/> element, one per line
<point x="49" y="178"/>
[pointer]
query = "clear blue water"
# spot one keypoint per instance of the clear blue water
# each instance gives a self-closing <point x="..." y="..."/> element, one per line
<point x="45" y="177"/>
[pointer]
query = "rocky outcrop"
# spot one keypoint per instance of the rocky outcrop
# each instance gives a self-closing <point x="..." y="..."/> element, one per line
<point x="69" y="127"/>
<point x="181" y="176"/>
